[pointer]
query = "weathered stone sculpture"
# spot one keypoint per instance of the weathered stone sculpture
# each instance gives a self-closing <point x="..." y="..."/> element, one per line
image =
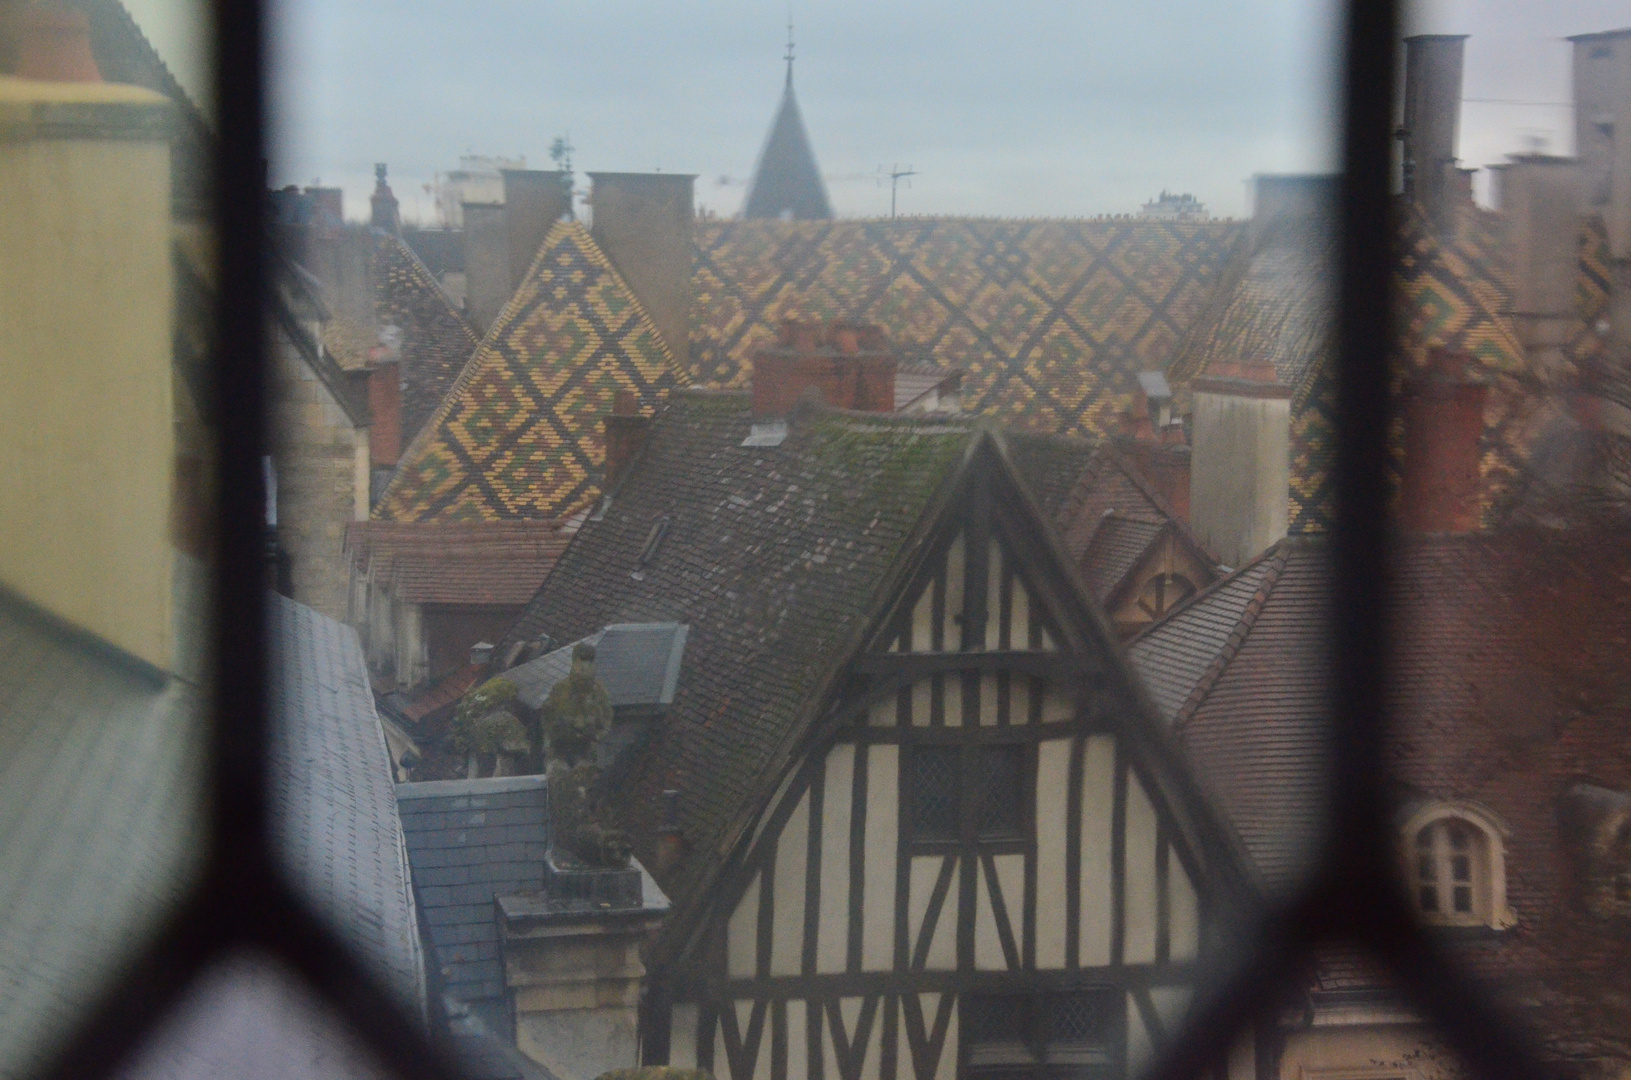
<point x="484" y="724"/>
<point x="574" y="717"/>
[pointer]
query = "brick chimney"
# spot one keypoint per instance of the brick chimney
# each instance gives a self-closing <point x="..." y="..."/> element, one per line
<point x="853" y="367"/>
<point x="1443" y="429"/>
<point x="644" y="222"/>
<point x="1153" y="440"/>
<point x="385" y="409"/>
<point x="54" y="44"/>
<point x="386" y="213"/>
<point x="1241" y="459"/>
<point x="626" y="434"/>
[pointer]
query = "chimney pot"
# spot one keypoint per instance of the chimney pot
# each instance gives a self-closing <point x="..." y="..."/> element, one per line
<point x="625" y="403"/>
<point x="1443" y="431"/>
<point x="385" y="412"/>
<point x="54" y="45"/>
<point x="837" y="359"/>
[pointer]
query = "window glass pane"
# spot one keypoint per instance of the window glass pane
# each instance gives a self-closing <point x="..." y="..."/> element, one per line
<point x="934" y="786"/>
<point x="1003" y="791"/>
<point x="106" y="497"/>
<point x="1507" y="461"/>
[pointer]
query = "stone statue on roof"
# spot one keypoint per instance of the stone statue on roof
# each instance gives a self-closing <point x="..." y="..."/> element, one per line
<point x="573" y="718"/>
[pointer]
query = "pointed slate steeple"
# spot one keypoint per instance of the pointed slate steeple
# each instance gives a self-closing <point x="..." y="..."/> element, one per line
<point x="786" y="182"/>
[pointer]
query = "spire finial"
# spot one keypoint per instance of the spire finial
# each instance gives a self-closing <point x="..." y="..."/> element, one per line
<point x="790" y="47"/>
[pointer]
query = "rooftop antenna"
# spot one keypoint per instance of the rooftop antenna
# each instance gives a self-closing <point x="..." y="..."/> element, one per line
<point x="789" y="47"/>
<point x="896" y="175"/>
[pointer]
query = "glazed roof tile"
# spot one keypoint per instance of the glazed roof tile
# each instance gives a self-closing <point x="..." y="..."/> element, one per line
<point x="518" y="435"/>
<point x="1051" y="321"/>
<point x="773" y="556"/>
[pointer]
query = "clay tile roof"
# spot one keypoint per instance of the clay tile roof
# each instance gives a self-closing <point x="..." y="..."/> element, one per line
<point x="773" y="556"/>
<point x="498" y="562"/>
<point x="1241" y="671"/>
<point x="1051" y="321"/>
<point x="518" y="435"/>
<point x="1118" y="544"/>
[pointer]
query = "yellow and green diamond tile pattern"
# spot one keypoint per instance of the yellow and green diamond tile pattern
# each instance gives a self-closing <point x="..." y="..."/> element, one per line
<point x="519" y="434"/>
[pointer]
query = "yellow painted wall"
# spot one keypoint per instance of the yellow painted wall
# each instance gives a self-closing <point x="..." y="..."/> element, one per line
<point x="86" y="436"/>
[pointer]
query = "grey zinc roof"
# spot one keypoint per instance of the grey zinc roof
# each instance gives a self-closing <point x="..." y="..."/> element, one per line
<point x="468" y="841"/>
<point x="639" y="663"/>
<point x="333" y="805"/>
<point x="101" y="788"/>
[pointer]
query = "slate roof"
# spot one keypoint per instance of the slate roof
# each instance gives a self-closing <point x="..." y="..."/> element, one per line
<point x="639" y="664"/>
<point x="786" y="179"/>
<point x="468" y="841"/>
<point x="332" y="798"/>
<point x="101" y="804"/>
<point x="497" y="562"/>
<point x="1051" y="320"/>
<point x="773" y="556"/>
<point x="436" y="339"/>
<point x="1241" y="674"/>
<point x="518" y="435"/>
<point x="1052" y="465"/>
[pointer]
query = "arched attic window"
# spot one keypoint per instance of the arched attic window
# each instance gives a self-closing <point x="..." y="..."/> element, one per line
<point x="1456" y="865"/>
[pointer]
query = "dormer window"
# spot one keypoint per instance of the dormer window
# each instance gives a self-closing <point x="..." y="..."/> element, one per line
<point x="1457" y="869"/>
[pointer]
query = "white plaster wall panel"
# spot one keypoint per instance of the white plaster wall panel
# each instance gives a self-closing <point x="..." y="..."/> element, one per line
<point x="1052" y="812"/>
<point x="922" y="691"/>
<point x="798" y="1039"/>
<point x="946" y="1067"/>
<point x="988" y="699"/>
<point x="922" y="874"/>
<point x="1020" y="622"/>
<point x="923" y="621"/>
<point x="1171" y="1006"/>
<point x="682" y="1036"/>
<point x="1139" y="1047"/>
<point x="882" y="833"/>
<point x="742" y="934"/>
<point x="951" y="705"/>
<point x="1057" y="703"/>
<point x="988" y="955"/>
<point x="1183" y="907"/>
<point x="792" y="860"/>
<point x="1096" y="882"/>
<point x="954" y="592"/>
<point x="1140" y="902"/>
<point x="722" y="1061"/>
<point x="760" y="1065"/>
<point x="1019" y="699"/>
<point x="832" y="933"/>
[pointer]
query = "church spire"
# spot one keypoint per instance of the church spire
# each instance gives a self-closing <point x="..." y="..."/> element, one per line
<point x="786" y="182"/>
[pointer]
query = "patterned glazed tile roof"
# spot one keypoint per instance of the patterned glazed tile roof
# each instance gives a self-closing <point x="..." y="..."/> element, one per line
<point x="773" y="556"/>
<point x="518" y="436"/>
<point x="1051" y="320"/>
<point x="490" y="562"/>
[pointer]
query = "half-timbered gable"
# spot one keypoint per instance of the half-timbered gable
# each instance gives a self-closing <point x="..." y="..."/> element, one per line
<point x="983" y="860"/>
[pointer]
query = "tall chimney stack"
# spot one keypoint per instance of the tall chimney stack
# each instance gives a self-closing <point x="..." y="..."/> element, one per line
<point x="1432" y="118"/>
<point x="626" y="434"/>
<point x="534" y="199"/>
<point x="1443" y="431"/>
<point x="644" y="222"/>
<point x="1602" y="130"/>
<point x="87" y="419"/>
<point x="1240" y="464"/>
<point x="385" y="212"/>
<point x="1539" y="198"/>
<point x="486" y="263"/>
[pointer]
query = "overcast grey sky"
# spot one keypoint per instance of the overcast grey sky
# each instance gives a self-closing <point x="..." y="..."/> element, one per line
<point x="1015" y="109"/>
